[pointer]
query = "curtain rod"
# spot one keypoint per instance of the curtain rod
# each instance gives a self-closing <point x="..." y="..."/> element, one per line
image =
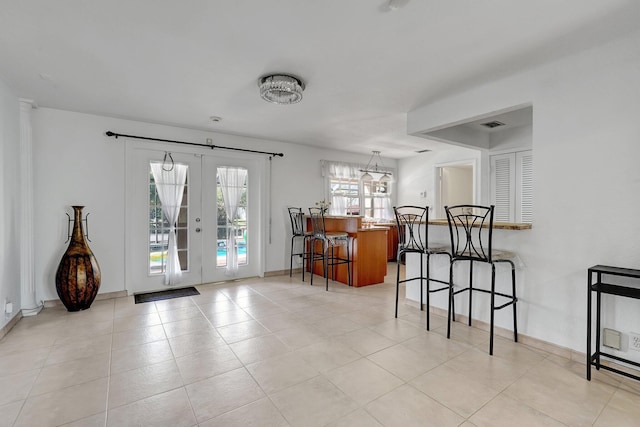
<point x="116" y="135"/>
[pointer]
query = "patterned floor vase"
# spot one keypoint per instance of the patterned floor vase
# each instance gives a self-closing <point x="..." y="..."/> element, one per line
<point x="78" y="275"/>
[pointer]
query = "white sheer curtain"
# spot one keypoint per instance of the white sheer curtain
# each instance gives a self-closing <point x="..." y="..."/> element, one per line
<point x="232" y="180"/>
<point x="170" y="187"/>
<point x="338" y="204"/>
<point x="382" y="207"/>
<point x="343" y="171"/>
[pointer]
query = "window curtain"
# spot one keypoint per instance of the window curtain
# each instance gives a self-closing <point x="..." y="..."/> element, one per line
<point x="338" y="204"/>
<point x="349" y="172"/>
<point x="170" y="188"/>
<point x="340" y="170"/>
<point x="383" y="206"/>
<point x="232" y="184"/>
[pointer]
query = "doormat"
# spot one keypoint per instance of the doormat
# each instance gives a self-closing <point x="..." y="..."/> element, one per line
<point x="168" y="294"/>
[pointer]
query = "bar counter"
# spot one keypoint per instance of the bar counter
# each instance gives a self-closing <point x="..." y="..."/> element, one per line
<point x="510" y="237"/>
<point x="368" y="250"/>
<point x="496" y="225"/>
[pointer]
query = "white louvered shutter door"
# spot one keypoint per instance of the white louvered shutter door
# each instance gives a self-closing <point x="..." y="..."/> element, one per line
<point x="524" y="192"/>
<point x="502" y="187"/>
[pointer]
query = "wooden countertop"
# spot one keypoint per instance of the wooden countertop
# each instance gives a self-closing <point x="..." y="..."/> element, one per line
<point x="374" y="228"/>
<point x="338" y="216"/>
<point x="439" y="221"/>
<point x="496" y="225"/>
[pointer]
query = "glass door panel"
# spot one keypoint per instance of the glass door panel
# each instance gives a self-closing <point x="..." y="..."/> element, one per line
<point x="147" y="228"/>
<point x="239" y="234"/>
<point x="232" y="233"/>
<point x="159" y="230"/>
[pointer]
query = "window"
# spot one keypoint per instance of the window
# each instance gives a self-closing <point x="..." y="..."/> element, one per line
<point x="232" y="229"/>
<point x="350" y="196"/>
<point x="512" y="186"/>
<point x="377" y="199"/>
<point x="345" y="196"/>
<point x="159" y="230"/>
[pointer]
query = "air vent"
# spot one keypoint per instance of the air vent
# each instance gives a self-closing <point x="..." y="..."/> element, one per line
<point x="423" y="151"/>
<point x="492" y="124"/>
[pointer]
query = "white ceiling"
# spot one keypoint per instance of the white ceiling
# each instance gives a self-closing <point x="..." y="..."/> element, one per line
<point x="365" y="67"/>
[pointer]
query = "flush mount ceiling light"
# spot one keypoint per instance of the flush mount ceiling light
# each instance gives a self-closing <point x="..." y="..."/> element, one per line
<point x="372" y="167"/>
<point x="281" y="88"/>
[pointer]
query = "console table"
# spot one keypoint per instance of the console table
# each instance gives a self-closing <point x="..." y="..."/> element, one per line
<point x="600" y="287"/>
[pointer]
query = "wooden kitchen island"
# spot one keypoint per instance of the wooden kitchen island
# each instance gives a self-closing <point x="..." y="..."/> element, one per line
<point x="368" y="251"/>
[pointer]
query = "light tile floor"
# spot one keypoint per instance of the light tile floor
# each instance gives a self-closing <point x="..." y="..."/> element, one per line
<point x="278" y="352"/>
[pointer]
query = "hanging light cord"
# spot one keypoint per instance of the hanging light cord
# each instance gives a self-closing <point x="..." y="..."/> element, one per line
<point x="375" y="168"/>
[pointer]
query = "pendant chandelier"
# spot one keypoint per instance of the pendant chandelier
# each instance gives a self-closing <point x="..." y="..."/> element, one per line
<point x="281" y="89"/>
<point x="372" y="167"/>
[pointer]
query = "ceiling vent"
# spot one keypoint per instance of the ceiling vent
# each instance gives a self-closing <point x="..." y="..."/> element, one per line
<point x="492" y="124"/>
<point x="423" y="151"/>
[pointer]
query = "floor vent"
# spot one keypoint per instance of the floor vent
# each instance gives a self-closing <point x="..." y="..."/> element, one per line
<point x="168" y="294"/>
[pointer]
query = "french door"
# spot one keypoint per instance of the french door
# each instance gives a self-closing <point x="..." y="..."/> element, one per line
<point x="205" y="234"/>
<point x="240" y="234"/>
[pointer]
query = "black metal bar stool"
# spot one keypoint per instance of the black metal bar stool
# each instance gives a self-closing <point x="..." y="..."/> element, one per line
<point x="330" y="240"/>
<point x="471" y="230"/>
<point x="411" y="221"/>
<point x="297" y="231"/>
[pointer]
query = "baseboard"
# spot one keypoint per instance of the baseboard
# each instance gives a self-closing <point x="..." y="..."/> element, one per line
<point x="6" y="328"/>
<point x="282" y="272"/>
<point x="536" y="343"/>
<point x="107" y="295"/>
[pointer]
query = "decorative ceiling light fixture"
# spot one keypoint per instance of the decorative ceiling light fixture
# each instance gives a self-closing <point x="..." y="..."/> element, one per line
<point x="281" y="88"/>
<point x="366" y="172"/>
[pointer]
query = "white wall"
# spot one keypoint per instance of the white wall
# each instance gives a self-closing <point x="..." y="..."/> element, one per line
<point x="518" y="137"/>
<point x="9" y="202"/>
<point x="586" y="147"/>
<point x="75" y="163"/>
<point x="416" y="174"/>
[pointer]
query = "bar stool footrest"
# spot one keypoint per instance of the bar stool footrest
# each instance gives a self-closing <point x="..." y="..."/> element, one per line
<point x="486" y="291"/>
<point x="439" y="289"/>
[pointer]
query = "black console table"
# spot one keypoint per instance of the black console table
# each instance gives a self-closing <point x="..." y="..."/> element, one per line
<point x="600" y="287"/>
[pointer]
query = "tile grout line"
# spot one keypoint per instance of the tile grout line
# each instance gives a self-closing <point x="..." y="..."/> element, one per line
<point x="243" y="367"/>
<point x="605" y="405"/>
<point x="184" y="386"/>
<point x="106" y="404"/>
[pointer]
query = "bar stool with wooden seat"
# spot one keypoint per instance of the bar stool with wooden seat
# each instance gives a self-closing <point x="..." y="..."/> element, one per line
<point x="297" y="232"/>
<point x="411" y="221"/>
<point x="330" y="240"/>
<point x="471" y="230"/>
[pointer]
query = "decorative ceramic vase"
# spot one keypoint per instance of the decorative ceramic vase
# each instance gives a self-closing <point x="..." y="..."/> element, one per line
<point x="78" y="275"/>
